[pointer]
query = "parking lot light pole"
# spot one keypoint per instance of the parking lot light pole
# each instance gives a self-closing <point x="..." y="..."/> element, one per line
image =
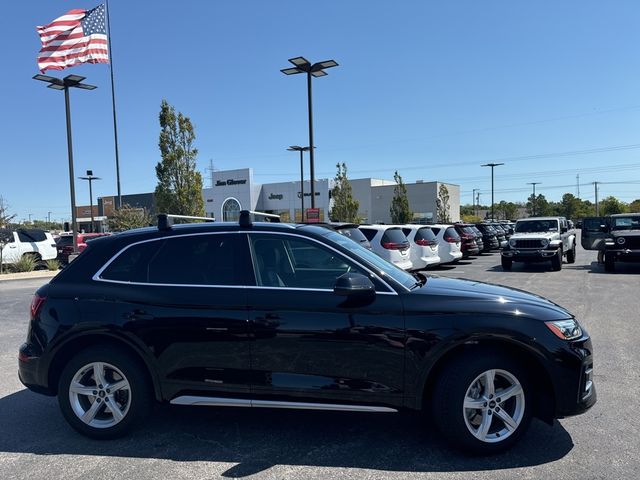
<point x="65" y="83"/>
<point x="296" y="148"/>
<point x="90" y="177"/>
<point x="302" y="65"/>
<point x="492" y="165"/>
<point x="533" y="203"/>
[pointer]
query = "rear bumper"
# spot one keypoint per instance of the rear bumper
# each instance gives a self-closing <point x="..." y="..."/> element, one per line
<point x="30" y="372"/>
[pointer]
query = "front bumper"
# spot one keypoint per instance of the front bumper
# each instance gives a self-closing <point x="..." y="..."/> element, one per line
<point x="624" y="254"/>
<point x="530" y="255"/>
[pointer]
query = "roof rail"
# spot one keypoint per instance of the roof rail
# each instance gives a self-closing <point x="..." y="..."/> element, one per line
<point x="165" y="220"/>
<point x="247" y="217"/>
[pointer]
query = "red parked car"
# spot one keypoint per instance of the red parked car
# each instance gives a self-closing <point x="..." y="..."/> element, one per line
<point x="64" y="244"/>
<point x="468" y="246"/>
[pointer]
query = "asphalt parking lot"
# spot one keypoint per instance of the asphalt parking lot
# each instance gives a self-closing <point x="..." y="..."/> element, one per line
<point x="201" y="443"/>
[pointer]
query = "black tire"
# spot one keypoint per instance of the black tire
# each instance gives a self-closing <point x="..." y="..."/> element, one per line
<point x="507" y="263"/>
<point x="609" y="263"/>
<point x="571" y="255"/>
<point x="556" y="261"/>
<point x="452" y="385"/>
<point x="134" y="402"/>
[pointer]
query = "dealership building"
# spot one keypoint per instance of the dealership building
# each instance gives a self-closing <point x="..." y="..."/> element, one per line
<point x="235" y="190"/>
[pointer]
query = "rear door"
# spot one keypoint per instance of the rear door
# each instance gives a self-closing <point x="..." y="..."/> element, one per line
<point x="592" y="237"/>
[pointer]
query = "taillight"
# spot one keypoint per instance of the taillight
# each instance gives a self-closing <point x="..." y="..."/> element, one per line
<point x="395" y="246"/>
<point x="36" y="305"/>
<point x="450" y="239"/>
<point x="422" y="242"/>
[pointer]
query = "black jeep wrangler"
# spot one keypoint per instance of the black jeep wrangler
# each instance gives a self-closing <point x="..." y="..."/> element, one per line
<point x="616" y="237"/>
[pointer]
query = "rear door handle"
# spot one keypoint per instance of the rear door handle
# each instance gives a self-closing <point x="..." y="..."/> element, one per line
<point x="138" y="315"/>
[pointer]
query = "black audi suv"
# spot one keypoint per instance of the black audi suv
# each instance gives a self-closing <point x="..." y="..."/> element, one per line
<point x="295" y="316"/>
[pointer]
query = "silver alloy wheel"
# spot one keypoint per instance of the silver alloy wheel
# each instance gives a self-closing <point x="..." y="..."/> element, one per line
<point x="100" y="395"/>
<point x="494" y="406"/>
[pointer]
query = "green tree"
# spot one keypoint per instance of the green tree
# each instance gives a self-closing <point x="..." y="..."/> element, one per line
<point x="442" y="204"/>
<point x="127" y="217"/>
<point x="470" y="218"/>
<point x="179" y="189"/>
<point x="541" y="205"/>
<point x="399" y="210"/>
<point x="634" y="207"/>
<point x="506" y="210"/>
<point x="345" y="207"/>
<point x="611" y="205"/>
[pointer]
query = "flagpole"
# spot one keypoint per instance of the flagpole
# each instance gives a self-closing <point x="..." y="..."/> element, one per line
<point x="113" y="103"/>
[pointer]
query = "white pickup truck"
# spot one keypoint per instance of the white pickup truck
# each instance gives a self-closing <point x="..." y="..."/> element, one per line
<point x="540" y="239"/>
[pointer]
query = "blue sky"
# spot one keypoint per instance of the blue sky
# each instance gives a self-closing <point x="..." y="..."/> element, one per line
<point x="433" y="89"/>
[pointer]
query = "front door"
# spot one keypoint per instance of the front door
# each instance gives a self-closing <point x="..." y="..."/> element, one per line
<point x="312" y="345"/>
<point x="593" y="233"/>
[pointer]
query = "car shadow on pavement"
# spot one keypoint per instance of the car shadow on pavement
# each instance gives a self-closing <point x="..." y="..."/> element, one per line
<point x="257" y="439"/>
<point x="519" y="267"/>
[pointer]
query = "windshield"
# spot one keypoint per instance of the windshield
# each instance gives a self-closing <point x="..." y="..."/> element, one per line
<point x="625" y="223"/>
<point x="381" y="267"/>
<point x="533" y="226"/>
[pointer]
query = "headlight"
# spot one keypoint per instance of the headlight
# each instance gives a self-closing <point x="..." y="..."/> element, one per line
<point x="512" y="242"/>
<point x="621" y="240"/>
<point x="565" y="329"/>
<point x="544" y="242"/>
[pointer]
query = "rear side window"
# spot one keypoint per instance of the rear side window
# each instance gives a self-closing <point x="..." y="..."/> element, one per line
<point x="65" y="241"/>
<point x="32" y="235"/>
<point x="198" y="260"/>
<point x="393" y="235"/>
<point x="186" y="260"/>
<point x="369" y="233"/>
<point x="451" y="233"/>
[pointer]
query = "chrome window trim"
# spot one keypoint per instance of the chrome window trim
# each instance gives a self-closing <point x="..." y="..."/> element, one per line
<point x="96" y="277"/>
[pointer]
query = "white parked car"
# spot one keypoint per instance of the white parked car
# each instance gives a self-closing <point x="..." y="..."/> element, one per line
<point x="424" y="246"/>
<point x="28" y="241"/>
<point x="448" y="243"/>
<point x="390" y="243"/>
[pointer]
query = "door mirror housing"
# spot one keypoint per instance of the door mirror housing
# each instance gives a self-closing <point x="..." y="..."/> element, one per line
<point x="354" y="285"/>
<point x="604" y="228"/>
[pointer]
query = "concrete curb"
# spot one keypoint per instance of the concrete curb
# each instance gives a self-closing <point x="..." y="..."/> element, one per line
<point x="28" y="275"/>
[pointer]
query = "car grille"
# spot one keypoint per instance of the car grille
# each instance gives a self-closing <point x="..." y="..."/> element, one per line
<point x="528" y="243"/>
<point x="630" y="242"/>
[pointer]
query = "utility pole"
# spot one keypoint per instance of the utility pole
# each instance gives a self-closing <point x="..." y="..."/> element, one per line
<point x="533" y="203"/>
<point x="478" y="202"/>
<point x="49" y="219"/>
<point x="578" y="184"/>
<point x="473" y="199"/>
<point x="595" y="185"/>
<point x="492" y="165"/>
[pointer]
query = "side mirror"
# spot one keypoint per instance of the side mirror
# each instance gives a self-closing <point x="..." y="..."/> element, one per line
<point x="604" y="228"/>
<point x="564" y="229"/>
<point x="354" y="284"/>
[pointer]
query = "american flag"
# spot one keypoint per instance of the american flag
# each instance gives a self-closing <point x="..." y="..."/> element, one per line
<point x="78" y="36"/>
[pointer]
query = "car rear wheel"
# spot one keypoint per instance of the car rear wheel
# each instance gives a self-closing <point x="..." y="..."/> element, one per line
<point x="482" y="403"/>
<point x="103" y="392"/>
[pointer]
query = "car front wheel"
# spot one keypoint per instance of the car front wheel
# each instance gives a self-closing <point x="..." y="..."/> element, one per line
<point x="507" y="263"/>
<point x="103" y="392"/>
<point x="482" y="403"/>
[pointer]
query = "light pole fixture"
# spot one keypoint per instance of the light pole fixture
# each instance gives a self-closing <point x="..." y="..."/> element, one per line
<point x="492" y="165"/>
<point x="90" y="177"/>
<point x="296" y="148"/>
<point x="535" y="201"/>
<point x="302" y="65"/>
<point x="70" y="81"/>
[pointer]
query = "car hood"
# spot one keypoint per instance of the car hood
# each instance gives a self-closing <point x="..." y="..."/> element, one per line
<point x="533" y="235"/>
<point x="457" y="296"/>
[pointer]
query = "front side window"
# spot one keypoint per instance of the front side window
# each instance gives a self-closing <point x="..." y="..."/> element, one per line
<point x="626" y="223"/>
<point x="288" y="262"/>
<point x="536" y="226"/>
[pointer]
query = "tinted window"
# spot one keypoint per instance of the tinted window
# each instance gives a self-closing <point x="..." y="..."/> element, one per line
<point x="6" y="236"/>
<point x="369" y="233"/>
<point x="393" y="235"/>
<point x="626" y="223"/>
<point x="64" y="241"/>
<point x="425" y="234"/>
<point x="198" y="260"/>
<point x="451" y="232"/>
<point x="532" y="226"/>
<point x="468" y="230"/>
<point x="32" y="235"/>
<point x="354" y="234"/>
<point x="132" y="264"/>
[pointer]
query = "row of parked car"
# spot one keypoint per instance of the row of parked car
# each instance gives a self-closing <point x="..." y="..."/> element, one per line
<point x="418" y="247"/>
